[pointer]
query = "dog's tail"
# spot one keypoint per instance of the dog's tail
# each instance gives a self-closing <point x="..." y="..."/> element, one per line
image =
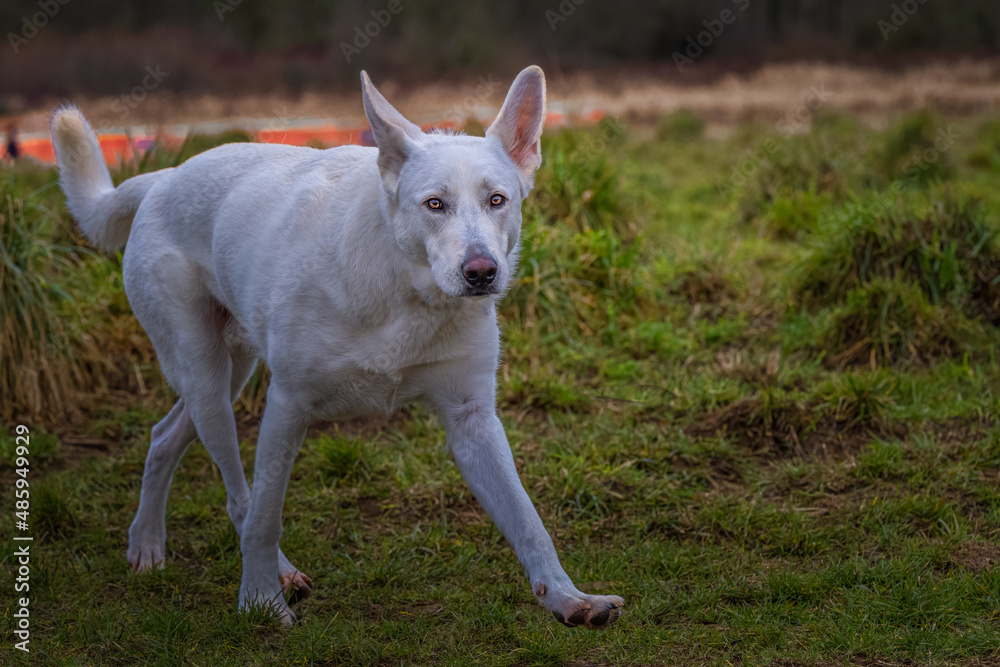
<point x="103" y="211"/>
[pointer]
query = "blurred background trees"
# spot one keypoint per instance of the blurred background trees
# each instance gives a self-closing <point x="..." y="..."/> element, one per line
<point x="224" y="46"/>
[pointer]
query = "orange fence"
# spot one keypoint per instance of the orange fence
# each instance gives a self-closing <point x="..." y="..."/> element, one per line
<point x="121" y="147"/>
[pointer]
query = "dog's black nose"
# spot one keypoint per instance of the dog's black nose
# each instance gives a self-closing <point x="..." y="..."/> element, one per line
<point x="479" y="271"/>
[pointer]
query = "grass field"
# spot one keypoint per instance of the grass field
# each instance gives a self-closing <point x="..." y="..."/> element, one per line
<point x="750" y="383"/>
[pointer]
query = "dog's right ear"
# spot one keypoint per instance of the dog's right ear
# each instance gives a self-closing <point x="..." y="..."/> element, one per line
<point x="395" y="136"/>
<point x="518" y="126"/>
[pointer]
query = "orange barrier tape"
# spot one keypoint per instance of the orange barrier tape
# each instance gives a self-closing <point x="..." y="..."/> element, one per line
<point x="40" y="149"/>
<point x="117" y="148"/>
<point x="330" y="136"/>
<point x="114" y="148"/>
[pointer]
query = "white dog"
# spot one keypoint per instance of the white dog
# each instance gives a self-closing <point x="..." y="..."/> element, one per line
<point x="365" y="278"/>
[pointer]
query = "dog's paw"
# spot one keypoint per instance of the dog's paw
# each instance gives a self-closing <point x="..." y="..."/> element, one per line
<point x="593" y="611"/>
<point x="274" y="607"/>
<point x="145" y="556"/>
<point x="285" y="615"/>
<point x="293" y="581"/>
<point x="296" y="585"/>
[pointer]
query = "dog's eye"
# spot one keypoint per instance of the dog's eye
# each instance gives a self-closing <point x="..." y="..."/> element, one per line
<point x="497" y="200"/>
<point x="434" y="204"/>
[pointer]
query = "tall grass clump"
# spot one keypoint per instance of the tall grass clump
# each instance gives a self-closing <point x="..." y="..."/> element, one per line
<point x="682" y="126"/>
<point x="65" y="322"/>
<point x="986" y="154"/>
<point x="787" y="176"/>
<point x="781" y="169"/>
<point x="913" y="282"/>
<point x="580" y="242"/>
<point x="579" y="183"/>
<point x="38" y="369"/>
<point x="915" y="149"/>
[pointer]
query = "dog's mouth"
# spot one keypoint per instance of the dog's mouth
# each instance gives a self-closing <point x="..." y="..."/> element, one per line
<point x="479" y="291"/>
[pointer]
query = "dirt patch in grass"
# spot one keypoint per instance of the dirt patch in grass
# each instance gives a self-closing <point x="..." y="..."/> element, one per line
<point x="976" y="556"/>
<point x="718" y="471"/>
<point x="75" y="449"/>
<point x="705" y="286"/>
<point x="370" y="507"/>
<point x="958" y="431"/>
<point x="877" y="662"/>
<point x="248" y="426"/>
<point x="79" y="441"/>
<point x="709" y="293"/>
<point x="459" y="508"/>
<point x="733" y="361"/>
<point x="852" y="662"/>
<point x="425" y="608"/>
<point x="985" y="299"/>
<point x="372" y="611"/>
<point x="793" y="429"/>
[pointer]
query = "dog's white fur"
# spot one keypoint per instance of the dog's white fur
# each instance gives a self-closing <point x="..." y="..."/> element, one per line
<point x="330" y="266"/>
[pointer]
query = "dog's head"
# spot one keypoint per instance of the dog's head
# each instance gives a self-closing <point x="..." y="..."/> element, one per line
<point x="453" y="202"/>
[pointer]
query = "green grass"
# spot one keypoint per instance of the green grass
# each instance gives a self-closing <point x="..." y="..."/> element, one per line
<point x="764" y="413"/>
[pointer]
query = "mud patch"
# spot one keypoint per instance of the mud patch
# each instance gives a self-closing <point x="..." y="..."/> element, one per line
<point x="958" y="431"/>
<point x="851" y="662"/>
<point x="792" y="429"/>
<point x="248" y="426"/>
<point x="75" y="450"/>
<point x="370" y="507"/>
<point x="425" y="608"/>
<point x="707" y="292"/>
<point x="706" y="287"/>
<point x="976" y="556"/>
<point x="372" y="611"/>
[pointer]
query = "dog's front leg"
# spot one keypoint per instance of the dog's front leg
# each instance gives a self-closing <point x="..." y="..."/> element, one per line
<point x="282" y="430"/>
<point x="479" y="444"/>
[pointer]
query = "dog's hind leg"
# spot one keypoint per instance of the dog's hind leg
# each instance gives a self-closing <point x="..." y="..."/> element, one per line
<point x="170" y="439"/>
<point x="147" y="536"/>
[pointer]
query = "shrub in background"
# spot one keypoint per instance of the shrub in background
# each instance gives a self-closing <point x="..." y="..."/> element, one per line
<point x="903" y="281"/>
<point x="38" y="365"/>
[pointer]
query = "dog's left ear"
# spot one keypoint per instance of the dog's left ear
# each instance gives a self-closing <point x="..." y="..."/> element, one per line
<point x="518" y="126"/>
<point x="395" y="136"/>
